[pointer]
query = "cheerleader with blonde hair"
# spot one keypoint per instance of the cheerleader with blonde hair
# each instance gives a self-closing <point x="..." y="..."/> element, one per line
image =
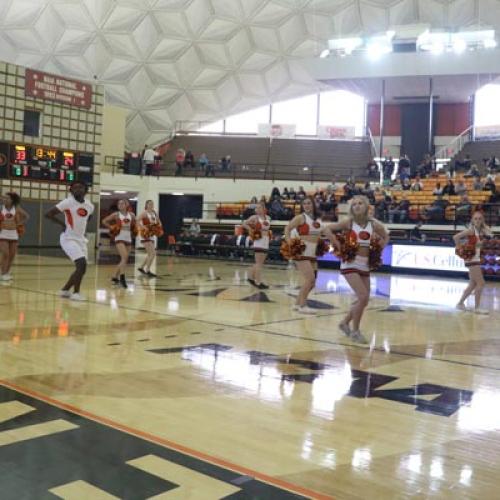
<point x="359" y="241"/>
<point x="151" y="229"/>
<point x="121" y="225"/>
<point x="470" y="251"/>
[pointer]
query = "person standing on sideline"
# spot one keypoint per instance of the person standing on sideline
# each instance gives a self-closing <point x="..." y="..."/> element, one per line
<point x="77" y="211"/>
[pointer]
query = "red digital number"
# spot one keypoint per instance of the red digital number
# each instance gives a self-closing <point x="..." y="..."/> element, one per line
<point x="20" y="155"/>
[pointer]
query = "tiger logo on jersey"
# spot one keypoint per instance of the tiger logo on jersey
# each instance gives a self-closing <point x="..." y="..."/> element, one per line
<point x="82" y="212"/>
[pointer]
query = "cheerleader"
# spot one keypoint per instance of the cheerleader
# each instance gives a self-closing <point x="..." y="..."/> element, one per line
<point x="258" y="226"/>
<point x="12" y="220"/>
<point x="150" y="228"/>
<point x="308" y="227"/>
<point x="121" y="227"/>
<point x="361" y="231"/>
<point x="475" y="234"/>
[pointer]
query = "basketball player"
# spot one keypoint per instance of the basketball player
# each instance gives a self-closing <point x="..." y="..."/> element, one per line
<point x="77" y="211"/>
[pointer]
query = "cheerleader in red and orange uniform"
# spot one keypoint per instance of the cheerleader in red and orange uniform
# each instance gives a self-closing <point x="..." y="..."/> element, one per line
<point x="121" y="227"/>
<point x="308" y="227"/>
<point x="12" y="220"/>
<point x="150" y="229"/>
<point x="471" y="253"/>
<point x="358" y="234"/>
<point x="258" y="226"/>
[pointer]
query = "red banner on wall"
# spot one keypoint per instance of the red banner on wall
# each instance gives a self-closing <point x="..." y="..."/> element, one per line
<point x="55" y="88"/>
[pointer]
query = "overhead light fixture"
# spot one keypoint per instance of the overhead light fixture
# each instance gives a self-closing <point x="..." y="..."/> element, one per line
<point x="178" y="194"/>
<point x="490" y="44"/>
<point x="120" y="192"/>
<point x="324" y="54"/>
<point x="105" y="193"/>
<point x="133" y="199"/>
<point x="377" y="46"/>
<point x="459" y="45"/>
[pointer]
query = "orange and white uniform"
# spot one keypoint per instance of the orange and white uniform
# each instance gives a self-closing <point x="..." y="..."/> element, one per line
<point x="125" y="234"/>
<point x="76" y="216"/>
<point x="8" y="217"/>
<point x="476" y="241"/>
<point x="150" y="219"/>
<point x="309" y="233"/>
<point x="262" y="244"/>
<point x="360" y="264"/>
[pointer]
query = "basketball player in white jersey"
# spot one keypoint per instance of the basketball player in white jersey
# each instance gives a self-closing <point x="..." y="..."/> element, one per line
<point x="77" y="211"/>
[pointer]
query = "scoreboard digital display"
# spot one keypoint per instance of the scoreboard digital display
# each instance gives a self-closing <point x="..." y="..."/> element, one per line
<point x="45" y="163"/>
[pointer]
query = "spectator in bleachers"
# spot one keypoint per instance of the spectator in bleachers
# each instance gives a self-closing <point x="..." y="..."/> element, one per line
<point x="467" y="163"/>
<point x="275" y="192"/>
<point x="425" y="167"/>
<point x="333" y="186"/>
<point x="449" y="189"/>
<point x="372" y="169"/>
<point x="489" y="185"/>
<point x="277" y="210"/>
<point x="285" y="195"/>
<point x="404" y="167"/>
<point x="436" y="212"/>
<point x="263" y="200"/>
<point x="292" y="195"/>
<point x="382" y="207"/>
<point x="417" y="184"/>
<point x="463" y="209"/>
<point x="349" y="190"/>
<point x="438" y="190"/>
<point x="399" y="211"/>
<point x="148" y="159"/>
<point x="301" y="194"/>
<point x="406" y="184"/>
<point x="458" y="165"/>
<point x="194" y="228"/>
<point x="493" y="163"/>
<point x="473" y="171"/>
<point x="189" y="160"/>
<point x="225" y="163"/>
<point x="203" y="162"/>
<point x="477" y="185"/>
<point x="460" y="188"/>
<point x="253" y="203"/>
<point x="180" y="156"/>
<point x="388" y="168"/>
<point x="396" y="185"/>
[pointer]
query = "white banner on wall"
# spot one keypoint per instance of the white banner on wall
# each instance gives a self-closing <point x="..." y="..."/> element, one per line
<point x="332" y="132"/>
<point x="277" y="130"/>
<point x="430" y="258"/>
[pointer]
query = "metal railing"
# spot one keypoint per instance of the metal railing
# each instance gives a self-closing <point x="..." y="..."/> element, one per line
<point x="456" y="145"/>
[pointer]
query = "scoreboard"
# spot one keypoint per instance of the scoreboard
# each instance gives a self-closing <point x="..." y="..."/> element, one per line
<point x="25" y="161"/>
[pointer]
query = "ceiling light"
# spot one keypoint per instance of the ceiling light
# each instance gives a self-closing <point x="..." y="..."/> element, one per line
<point x="437" y="48"/>
<point x="105" y="193"/>
<point x="178" y="194"/>
<point x="490" y="43"/>
<point x="459" y="45"/>
<point x="324" y="54"/>
<point x="133" y="199"/>
<point x="120" y="192"/>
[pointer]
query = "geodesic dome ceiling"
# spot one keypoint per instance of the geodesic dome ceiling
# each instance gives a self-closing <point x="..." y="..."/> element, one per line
<point x="201" y="60"/>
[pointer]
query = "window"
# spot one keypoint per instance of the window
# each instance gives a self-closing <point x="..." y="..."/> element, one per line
<point x="247" y="122"/>
<point x="340" y="108"/>
<point x="301" y="112"/>
<point x="487" y="106"/>
<point x="215" y="127"/>
<point x="31" y="123"/>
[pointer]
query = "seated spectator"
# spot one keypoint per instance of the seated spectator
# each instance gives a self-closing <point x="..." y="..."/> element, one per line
<point x="489" y="185"/>
<point x="406" y="184"/>
<point x="194" y="228"/>
<point x="333" y="186"/>
<point x="449" y="189"/>
<point x="436" y="212"/>
<point x="458" y="166"/>
<point x="425" y="167"/>
<point x="349" y="190"/>
<point x="467" y="162"/>
<point x="417" y="184"/>
<point x="285" y="195"/>
<point x="275" y="192"/>
<point x="473" y="171"/>
<point x="477" y="185"/>
<point x="460" y="188"/>
<point x="253" y="203"/>
<point x="372" y="169"/>
<point x="203" y="162"/>
<point x="277" y="210"/>
<point x="463" y="209"/>
<point x="225" y="163"/>
<point x="493" y="163"/>
<point x="301" y="194"/>
<point x="416" y="234"/>
<point x="438" y="190"/>
<point x="264" y="200"/>
<point x="399" y="211"/>
<point x="292" y="195"/>
<point x="396" y="185"/>
<point x="382" y="207"/>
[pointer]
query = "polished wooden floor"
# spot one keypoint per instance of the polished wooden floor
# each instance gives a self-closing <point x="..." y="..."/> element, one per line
<point x="195" y="385"/>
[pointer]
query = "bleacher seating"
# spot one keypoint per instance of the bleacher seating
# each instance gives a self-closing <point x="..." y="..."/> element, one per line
<point x="290" y="159"/>
<point x="478" y="150"/>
